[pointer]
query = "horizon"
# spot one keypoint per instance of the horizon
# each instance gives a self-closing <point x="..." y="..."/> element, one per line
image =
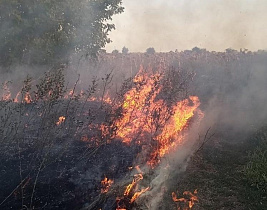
<point x="180" y="51"/>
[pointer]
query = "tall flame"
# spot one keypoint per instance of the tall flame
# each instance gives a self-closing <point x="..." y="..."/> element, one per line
<point x="149" y="118"/>
<point x="135" y="106"/>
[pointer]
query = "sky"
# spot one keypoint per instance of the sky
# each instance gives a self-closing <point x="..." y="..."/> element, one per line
<point x="183" y="24"/>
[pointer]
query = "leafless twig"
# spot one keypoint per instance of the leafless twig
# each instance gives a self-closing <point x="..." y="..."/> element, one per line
<point x="205" y="140"/>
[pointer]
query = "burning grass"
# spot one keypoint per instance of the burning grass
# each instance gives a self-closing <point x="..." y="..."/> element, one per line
<point x="147" y="119"/>
<point x="187" y="201"/>
<point x="74" y="147"/>
<point x="44" y="123"/>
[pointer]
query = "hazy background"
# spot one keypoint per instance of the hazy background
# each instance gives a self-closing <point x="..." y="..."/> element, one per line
<point x="184" y="24"/>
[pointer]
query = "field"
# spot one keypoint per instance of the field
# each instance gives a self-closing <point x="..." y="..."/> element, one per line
<point x="177" y="130"/>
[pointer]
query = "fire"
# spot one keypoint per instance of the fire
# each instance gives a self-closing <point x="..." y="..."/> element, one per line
<point x="6" y="96"/>
<point x="147" y="116"/>
<point x="60" y="120"/>
<point x="137" y="194"/>
<point x="27" y="98"/>
<point x="187" y="201"/>
<point x="157" y="126"/>
<point x="169" y="139"/>
<point x="106" y="184"/>
<point x="107" y="99"/>
<point x="129" y="188"/>
<point x="132" y="191"/>
<point x="135" y="106"/>
<point x="16" y="99"/>
<point x="149" y="121"/>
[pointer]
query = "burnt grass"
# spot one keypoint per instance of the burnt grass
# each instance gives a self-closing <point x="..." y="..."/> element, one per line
<point x="73" y="181"/>
<point x="71" y="177"/>
<point x="216" y="172"/>
<point x="69" y="183"/>
<point x="65" y="175"/>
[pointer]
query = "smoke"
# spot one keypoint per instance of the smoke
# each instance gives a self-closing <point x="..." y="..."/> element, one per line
<point x="169" y="25"/>
<point x="172" y="165"/>
<point x="232" y="92"/>
<point x="233" y="100"/>
<point x="239" y="104"/>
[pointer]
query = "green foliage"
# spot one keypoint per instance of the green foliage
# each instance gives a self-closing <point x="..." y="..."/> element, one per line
<point x="256" y="168"/>
<point x="45" y="31"/>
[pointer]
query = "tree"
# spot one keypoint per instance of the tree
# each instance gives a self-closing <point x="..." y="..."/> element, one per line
<point x="150" y="50"/>
<point x="45" y="31"/>
<point x="230" y="51"/>
<point x="125" y="50"/>
<point x="196" y="49"/>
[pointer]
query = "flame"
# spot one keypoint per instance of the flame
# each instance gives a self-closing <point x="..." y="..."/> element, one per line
<point x="68" y="94"/>
<point x="149" y="121"/>
<point x="188" y="199"/>
<point x="132" y="191"/>
<point x="107" y="99"/>
<point x="92" y="98"/>
<point x="106" y="184"/>
<point x="130" y="187"/>
<point x="169" y="139"/>
<point x="135" y="106"/>
<point x="27" y="98"/>
<point x="137" y="194"/>
<point x="16" y="99"/>
<point x="148" y="117"/>
<point x="6" y="96"/>
<point x="60" y="120"/>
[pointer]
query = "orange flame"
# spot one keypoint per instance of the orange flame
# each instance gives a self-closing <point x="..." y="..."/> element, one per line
<point x="137" y="194"/>
<point x="135" y="106"/>
<point x="6" y="96"/>
<point x="132" y="192"/>
<point x="60" y="120"/>
<point x="27" y="98"/>
<point x="169" y="138"/>
<point x="137" y="178"/>
<point x="16" y="99"/>
<point x="144" y="114"/>
<point x="106" y="184"/>
<point x="188" y="200"/>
